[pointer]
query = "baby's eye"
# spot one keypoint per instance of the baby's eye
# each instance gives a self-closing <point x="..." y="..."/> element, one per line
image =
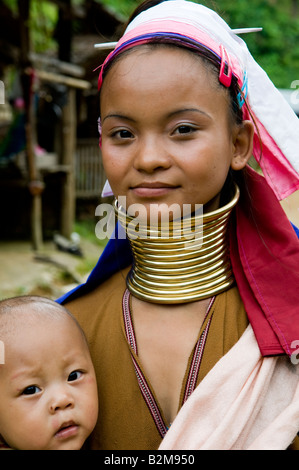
<point x="31" y="390"/>
<point x="75" y="375"/>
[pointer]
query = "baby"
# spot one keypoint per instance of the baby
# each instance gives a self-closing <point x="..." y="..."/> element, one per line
<point x="47" y="382"/>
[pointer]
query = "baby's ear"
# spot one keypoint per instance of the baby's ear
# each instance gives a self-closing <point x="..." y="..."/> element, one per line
<point x="243" y="144"/>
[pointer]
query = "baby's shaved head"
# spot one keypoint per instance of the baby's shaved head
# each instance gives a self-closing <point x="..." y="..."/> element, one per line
<point x="41" y="304"/>
<point x="16" y="311"/>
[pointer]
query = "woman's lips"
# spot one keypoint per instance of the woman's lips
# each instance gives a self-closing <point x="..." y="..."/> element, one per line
<point x="148" y="190"/>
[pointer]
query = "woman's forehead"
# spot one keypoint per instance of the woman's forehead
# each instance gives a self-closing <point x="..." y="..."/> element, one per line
<point x="162" y="80"/>
<point x="169" y="52"/>
<point x="161" y="65"/>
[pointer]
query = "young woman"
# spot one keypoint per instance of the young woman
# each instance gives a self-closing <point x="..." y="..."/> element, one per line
<point x="190" y="336"/>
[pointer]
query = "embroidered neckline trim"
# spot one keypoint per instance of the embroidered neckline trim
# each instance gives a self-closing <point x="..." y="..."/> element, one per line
<point x="142" y="382"/>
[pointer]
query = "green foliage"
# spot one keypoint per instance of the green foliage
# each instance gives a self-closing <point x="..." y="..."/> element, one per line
<point x="12" y="4"/>
<point x="43" y="19"/>
<point x="275" y="48"/>
<point x="123" y="7"/>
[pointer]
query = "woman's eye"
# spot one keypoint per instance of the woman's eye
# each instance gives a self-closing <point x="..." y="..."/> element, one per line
<point x="75" y="375"/>
<point x="31" y="390"/>
<point x="184" y="129"/>
<point x="123" y="134"/>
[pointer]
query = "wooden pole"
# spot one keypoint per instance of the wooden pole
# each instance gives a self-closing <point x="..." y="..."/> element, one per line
<point x="68" y="151"/>
<point x="35" y="185"/>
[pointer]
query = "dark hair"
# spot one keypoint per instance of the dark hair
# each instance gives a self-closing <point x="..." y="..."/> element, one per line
<point x="143" y="7"/>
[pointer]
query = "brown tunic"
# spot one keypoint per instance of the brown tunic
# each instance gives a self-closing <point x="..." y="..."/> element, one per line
<point x="125" y="421"/>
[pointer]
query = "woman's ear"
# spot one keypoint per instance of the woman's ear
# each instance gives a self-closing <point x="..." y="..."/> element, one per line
<point x="242" y="145"/>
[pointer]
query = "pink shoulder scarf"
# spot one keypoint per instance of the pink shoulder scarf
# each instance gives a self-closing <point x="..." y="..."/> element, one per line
<point x="242" y="404"/>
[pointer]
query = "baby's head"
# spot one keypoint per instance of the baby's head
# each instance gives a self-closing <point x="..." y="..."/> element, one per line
<point x="47" y="381"/>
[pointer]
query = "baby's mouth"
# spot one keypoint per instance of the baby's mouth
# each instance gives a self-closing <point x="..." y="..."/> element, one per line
<point x="67" y="429"/>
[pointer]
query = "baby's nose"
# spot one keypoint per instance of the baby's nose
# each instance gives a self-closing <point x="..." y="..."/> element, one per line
<point x="60" y="401"/>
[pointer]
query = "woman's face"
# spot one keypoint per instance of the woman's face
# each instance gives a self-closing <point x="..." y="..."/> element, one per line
<point x="167" y="134"/>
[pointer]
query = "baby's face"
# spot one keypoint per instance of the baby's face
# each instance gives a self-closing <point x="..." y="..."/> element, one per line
<point x="47" y="387"/>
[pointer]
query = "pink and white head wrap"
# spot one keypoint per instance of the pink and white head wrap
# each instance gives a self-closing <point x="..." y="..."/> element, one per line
<point x="278" y="125"/>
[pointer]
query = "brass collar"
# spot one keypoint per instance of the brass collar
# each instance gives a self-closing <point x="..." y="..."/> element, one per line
<point x="179" y="270"/>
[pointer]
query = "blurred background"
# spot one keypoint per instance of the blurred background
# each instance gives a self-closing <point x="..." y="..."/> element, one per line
<point x="51" y="174"/>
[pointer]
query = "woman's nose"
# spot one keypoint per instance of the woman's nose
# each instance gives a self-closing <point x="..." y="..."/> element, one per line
<point x="61" y="400"/>
<point x="151" y="155"/>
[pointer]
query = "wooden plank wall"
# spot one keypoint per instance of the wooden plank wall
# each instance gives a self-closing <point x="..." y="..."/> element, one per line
<point x="89" y="173"/>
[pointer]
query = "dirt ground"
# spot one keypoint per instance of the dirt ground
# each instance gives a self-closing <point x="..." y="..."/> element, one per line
<point x="50" y="272"/>
<point x="53" y="272"/>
